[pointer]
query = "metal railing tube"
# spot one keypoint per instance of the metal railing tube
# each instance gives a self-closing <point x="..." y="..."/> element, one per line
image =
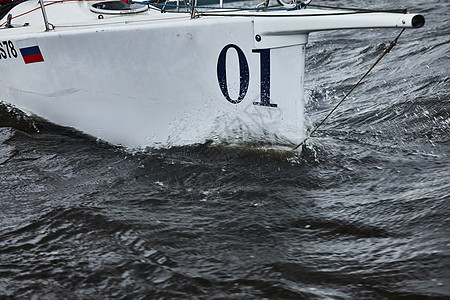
<point x="44" y="14"/>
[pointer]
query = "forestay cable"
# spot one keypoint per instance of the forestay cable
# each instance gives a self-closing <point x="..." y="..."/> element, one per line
<point x="388" y="49"/>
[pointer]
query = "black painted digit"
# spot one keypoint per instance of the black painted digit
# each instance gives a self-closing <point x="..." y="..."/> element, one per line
<point x="243" y="71"/>
<point x="264" y="55"/>
<point x="13" y="50"/>
<point x="7" y="48"/>
<point x="2" y="52"/>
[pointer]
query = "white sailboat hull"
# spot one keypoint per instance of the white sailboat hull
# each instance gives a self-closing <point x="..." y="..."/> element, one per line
<point x="142" y="83"/>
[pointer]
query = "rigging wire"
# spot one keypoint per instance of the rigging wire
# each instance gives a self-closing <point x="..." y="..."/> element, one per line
<point x="388" y="49"/>
<point x="400" y="11"/>
<point x="259" y="7"/>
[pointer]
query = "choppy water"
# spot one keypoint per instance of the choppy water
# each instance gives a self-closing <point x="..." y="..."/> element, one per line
<point x="363" y="213"/>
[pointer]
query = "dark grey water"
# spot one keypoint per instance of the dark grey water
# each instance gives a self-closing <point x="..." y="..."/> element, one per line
<point x="363" y="213"/>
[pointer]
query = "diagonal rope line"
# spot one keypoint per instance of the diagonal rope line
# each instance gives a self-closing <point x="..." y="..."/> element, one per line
<point x="388" y="49"/>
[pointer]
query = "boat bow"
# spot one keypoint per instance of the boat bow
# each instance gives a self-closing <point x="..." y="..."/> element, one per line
<point x="139" y="77"/>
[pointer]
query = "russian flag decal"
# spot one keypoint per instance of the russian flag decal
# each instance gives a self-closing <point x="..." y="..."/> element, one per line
<point x="30" y="51"/>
